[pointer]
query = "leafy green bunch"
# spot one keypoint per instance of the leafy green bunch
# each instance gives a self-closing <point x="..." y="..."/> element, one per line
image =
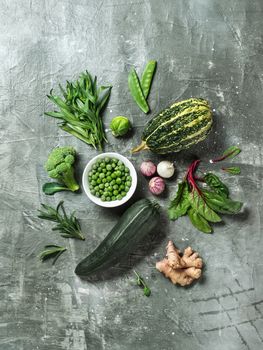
<point x="202" y="204"/>
<point x="80" y="109"/>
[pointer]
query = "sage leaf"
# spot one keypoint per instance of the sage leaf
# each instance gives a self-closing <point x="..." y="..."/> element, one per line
<point x="201" y="207"/>
<point x="180" y="204"/>
<point x="198" y="221"/>
<point x="216" y="184"/>
<point x="235" y="170"/>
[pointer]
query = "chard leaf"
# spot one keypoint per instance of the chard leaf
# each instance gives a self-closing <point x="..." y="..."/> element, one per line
<point x="216" y="184"/>
<point x="180" y="204"/>
<point x="199" y="204"/>
<point x="199" y="221"/>
<point x="235" y="170"/>
<point x="221" y="204"/>
<point x="231" y="152"/>
<point x="50" y="188"/>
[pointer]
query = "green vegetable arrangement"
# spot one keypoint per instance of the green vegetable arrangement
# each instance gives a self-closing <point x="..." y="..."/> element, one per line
<point x="201" y="205"/>
<point x="80" y="109"/>
<point x="140" y="89"/>
<point x="59" y="166"/>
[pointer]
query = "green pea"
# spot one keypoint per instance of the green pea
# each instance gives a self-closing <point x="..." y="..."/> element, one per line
<point x="90" y="174"/>
<point x="108" y="173"/>
<point x="129" y="178"/>
<point x="106" y="184"/>
<point x="108" y="167"/>
<point x="99" y="169"/>
<point x="113" y="182"/>
<point x="96" y="188"/>
<point x="102" y="175"/>
<point x="126" y="170"/>
<point x="93" y="183"/>
<point x="93" y="191"/>
<point x="123" y="193"/>
<point x="101" y="191"/>
<point x="119" y="162"/>
<point x="110" y="189"/>
<point x="94" y="166"/>
<point x="115" y="187"/>
<point x="107" y="160"/>
<point x="119" y="197"/>
<point x="136" y="91"/>
<point x="102" y="165"/>
<point x="113" y="165"/>
<point x="113" y="198"/>
<point x="123" y="178"/>
<point x="106" y="194"/>
<point x="113" y="175"/>
<point x="114" y="160"/>
<point x="118" y="173"/>
<point x="127" y="189"/>
<point x="109" y="178"/>
<point x="103" y="198"/>
<point x="122" y="187"/>
<point x="104" y="181"/>
<point x="101" y="186"/>
<point x="97" y="194"/>
<point x="121" y="167"/>
<point x="108" y="199"/>
<point x="115" y="192"/>
<point x="128" y="183"/>
<point x="98" y="181"/>
<point x="118" y="181"/>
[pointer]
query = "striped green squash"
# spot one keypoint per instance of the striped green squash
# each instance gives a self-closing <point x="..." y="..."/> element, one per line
<point x="178" y="127"/>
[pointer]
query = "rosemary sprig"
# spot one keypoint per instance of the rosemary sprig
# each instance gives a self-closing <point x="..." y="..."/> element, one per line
<point x="52" y="251"/>
<point x="67" y="225"/>
<point x="141" y="283"/>
<point x="80" y="109"/>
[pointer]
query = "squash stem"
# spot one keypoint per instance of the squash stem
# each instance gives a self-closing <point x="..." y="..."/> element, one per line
<point x="139" y="148"/>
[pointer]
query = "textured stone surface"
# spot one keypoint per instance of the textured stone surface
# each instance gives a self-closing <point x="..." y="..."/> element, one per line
<point x="209" y="48"/>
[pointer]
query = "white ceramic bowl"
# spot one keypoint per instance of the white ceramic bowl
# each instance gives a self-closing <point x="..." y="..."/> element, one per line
<point x="97" y="200"/>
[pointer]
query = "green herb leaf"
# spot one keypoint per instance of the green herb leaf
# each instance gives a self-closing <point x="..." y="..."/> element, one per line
<point x="221" y="204"/>
<point x="235" y="170"/>
<point x="231" y="152"/>
<point x="68" y="226"/>
<point x="52" y="251"/>
<point x="216" y="184"/>
<point x="198" y="221"/>
<point x="50" y="188"/>
<point x="147" y="77"/>
<point x="201" y="207"/>
<point x="141" y="283"/>
<point x="180" y="204"/>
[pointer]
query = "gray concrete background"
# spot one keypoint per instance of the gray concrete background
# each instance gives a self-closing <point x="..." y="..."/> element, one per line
<point x="208" y="48"/>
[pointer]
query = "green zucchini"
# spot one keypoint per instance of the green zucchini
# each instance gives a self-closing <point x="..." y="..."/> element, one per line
<point x="178" y="127"/>
<point x="136" y="222"/>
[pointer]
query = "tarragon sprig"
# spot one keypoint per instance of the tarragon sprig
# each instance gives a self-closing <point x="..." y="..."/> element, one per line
<point x="80" y="109"/>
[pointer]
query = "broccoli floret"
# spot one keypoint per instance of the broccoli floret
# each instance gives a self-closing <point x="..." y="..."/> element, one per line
<point x="59" y="166"/>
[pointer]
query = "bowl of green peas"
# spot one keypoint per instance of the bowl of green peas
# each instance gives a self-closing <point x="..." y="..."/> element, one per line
<point x="109" y="179"/>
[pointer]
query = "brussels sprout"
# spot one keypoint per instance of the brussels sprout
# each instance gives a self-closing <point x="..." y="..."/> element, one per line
<point x="120" y="126"/>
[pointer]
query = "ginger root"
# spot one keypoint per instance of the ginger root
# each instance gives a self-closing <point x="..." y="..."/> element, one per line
<point x="180" y="269"/>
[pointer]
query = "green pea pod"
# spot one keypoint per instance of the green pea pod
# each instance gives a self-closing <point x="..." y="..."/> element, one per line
<point x="136" y="91"/>
<point x="147" y="77"/>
